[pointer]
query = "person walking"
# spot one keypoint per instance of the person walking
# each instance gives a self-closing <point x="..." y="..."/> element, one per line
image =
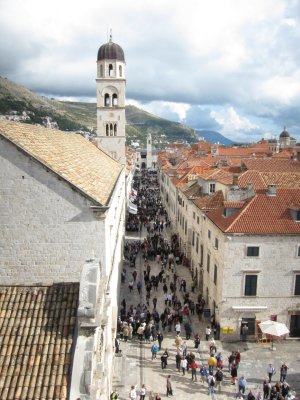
<point x="194" y="365"/>
<point x="169" y="386"/>
<point x="203" y="374"/>
<point x="242" y="384"/>
<point x="164" y="359"/>
<point x="160" y="338"/>
<point x="132" y="393"/>
<point x="211" y="384"/>
<point x="143" y="392"/>
<point x="207" y="332"/>
<point x="183" y="365"/>
<point x="219" y="379"/>
<point x="154" y="350"/>
<point x="233" y="373"/>
<point x="283" y="372"/>
<point x="271" y="371"/>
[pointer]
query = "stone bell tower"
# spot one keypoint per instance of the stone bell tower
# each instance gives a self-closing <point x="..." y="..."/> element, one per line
<point x="110" y="83"/>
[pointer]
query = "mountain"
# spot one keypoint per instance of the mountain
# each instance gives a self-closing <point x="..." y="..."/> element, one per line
<point x="214" y="137"/>
<point x="19" y="103"/>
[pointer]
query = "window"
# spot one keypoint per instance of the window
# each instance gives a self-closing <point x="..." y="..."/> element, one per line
<point x="297" y="285"/>
<point x="252" y="251"/>
<point x="216" y="243"/>
<point x="120" y="70"/>
<point x="298" y="251"/>
<point x="250" y="285"/>
<point x="208" y="262"/>
<point x="115" y="100"/>
<point x="193" y="239"/>
<point x="197" y="244"/>
<point x="215" y="274"/>
<point x="198" y="220"/>
<point x="212" y="188"/>
<point x="298" y="215"/>
<point x="194" y="215"/>
<point x="209" y="234"/>
<point x="110" y="70"/>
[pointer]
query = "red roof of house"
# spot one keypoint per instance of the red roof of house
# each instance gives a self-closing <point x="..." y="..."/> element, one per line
<point x="262" y="214"/>
<point x="272" y="165"/>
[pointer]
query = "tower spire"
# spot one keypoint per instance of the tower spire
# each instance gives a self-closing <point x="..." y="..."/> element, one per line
<point x="110" y="36"/>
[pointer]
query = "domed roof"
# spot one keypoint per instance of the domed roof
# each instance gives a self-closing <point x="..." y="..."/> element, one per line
<point x="110" y="51"/>
<point x="284" y="133"/>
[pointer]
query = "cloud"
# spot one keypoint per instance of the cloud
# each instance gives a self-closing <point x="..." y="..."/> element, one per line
<point x="183" y="59"/>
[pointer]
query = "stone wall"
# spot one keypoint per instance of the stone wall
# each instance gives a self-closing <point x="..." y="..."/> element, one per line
<point x="48" y="229"/>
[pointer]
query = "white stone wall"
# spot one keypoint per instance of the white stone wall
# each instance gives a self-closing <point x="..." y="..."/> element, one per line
<point x="47" y="228"/>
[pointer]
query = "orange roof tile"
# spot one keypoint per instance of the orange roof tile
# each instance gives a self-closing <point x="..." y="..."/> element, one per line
<point x="262" y="214"/>
<point x="37" y="325"/>
<point x="272" y="165"/>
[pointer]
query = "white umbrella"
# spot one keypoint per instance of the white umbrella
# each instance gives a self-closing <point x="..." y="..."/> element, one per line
<point x="274" y="329"/>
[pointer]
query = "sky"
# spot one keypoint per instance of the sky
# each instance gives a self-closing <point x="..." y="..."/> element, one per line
<point x="231" y="66"/>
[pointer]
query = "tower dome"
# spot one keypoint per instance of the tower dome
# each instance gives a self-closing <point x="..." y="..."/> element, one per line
<point x="284" y="133"/>
<point x="110" y="51"/>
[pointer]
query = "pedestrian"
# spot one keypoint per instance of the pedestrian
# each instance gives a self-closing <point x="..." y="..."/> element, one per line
<point x="183" y="364"/>
<point x="164" y="359"/>
<point x="271" y="371"/>
<point x="233" y="373"/>
<point x="151" y="395"/>
<point x="132" y="393"/>
<point x="139" y="286"/>
<point x="194" y="365"/>
<point x="250" y="395"/>
<point x="160" y="338"/>
<point x="242" y="384"/>
<point x="207" y="332"/>
<point x="211" y="384"/>
<point x="130" y="285"/>
<point x="117" y="345"/>
<point x="219" y="379"/>
<point x="178" y="360"/>
<point x="178" y="328"/>
<point x="283" y="372"/>
<point x="237" y="358"/>
<point x="114" y="395"/>
<point x="143" y="392"/>
<point x="266" y="389"/>
<point x="157" y="397"/>
<point x="154" y="350"/>
<point x="197" y="341"/>
<point x="169" y="386"/>
<point x="203" y="374"/>
<point x="212" y="362"/>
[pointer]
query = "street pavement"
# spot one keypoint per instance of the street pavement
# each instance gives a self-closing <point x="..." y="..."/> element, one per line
<point x="135" y="367"/>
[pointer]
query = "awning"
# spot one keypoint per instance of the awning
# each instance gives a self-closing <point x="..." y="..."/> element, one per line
<point x="132" y="210"/>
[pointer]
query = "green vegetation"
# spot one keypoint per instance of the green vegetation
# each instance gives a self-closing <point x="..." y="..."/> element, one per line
<point x="74" y="116"/>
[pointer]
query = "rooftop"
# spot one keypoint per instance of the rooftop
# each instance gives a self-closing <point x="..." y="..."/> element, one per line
<point x="69" y="155"/>
<point x="37" y="325"/>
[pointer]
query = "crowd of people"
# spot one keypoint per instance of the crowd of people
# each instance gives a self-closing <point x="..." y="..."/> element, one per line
<point x="166" y="306"/>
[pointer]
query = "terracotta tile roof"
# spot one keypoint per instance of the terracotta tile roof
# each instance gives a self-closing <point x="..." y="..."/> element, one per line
<point x="233" y="204"/>
<point x="286" y="153"/>
<point x="70" y="156"/>
<point x="261" y="180"/>
<point x="36" y="335"/>
<point x="192" y="191"/>
<point x="272" y="165"/>
<point x="262" y="214"/>
<point x="210" y="201"/>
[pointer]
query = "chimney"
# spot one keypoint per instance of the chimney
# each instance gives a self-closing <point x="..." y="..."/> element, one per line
<point x="272" y="189"/>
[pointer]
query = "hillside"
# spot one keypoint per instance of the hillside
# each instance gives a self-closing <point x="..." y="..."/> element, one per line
<point x="214" y="137"/>
<point x="22" y="104"/>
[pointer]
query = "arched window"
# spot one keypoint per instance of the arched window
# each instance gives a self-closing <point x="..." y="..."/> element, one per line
<point x="107" y="130"/>
<point x="115" y="99"/>
<point x="101" y="70"/>
<point x="106" y="100"/>
<point x="120" y="70"/>
<point x="111" y="130"/>
<point x="115" y="130"/>
<point x="110" y="70"/>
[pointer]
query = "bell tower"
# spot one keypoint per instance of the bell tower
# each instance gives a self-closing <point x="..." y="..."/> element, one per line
<point x="110" y="84"/>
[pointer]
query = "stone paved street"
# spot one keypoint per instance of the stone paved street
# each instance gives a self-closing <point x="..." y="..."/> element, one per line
<point x="135" y="367"/>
